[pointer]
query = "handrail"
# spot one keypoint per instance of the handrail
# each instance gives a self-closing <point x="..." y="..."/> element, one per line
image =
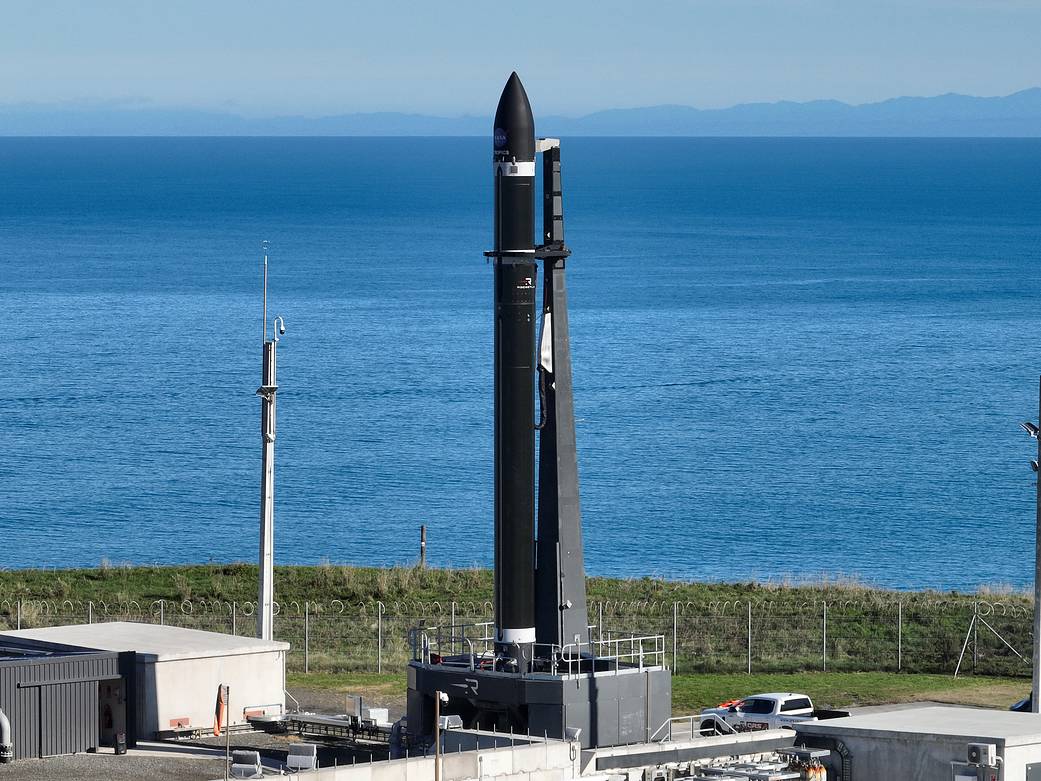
<point x="296" y="702"/>
<point x="721" y="725"/>
<point x="477" y="640"/>
<point x="664" y="724"/>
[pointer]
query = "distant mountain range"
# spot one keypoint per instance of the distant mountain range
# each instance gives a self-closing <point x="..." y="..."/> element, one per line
<point x="1018" y="114"/>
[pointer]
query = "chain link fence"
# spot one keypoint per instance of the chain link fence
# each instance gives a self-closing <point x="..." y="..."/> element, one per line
<point x="981" y="637"/>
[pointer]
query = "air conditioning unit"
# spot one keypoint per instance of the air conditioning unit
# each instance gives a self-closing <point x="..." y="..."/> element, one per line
<point x="302" y="756"/>
<point x="246" y="764"/>
<point x="983" y="754"/>
<point x="452" y="721"/>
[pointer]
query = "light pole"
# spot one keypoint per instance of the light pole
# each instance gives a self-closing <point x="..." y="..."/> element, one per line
<point x="1035" y="678"/>
<point x="439" y="697"/>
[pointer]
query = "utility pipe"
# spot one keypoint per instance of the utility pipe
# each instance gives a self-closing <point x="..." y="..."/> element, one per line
<point x="6" y="747"/>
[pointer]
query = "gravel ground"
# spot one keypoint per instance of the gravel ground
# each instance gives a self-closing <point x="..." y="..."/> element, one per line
<point x="333" y="702"/>
<point x="102" y="767"/>
<point x="275" y="747"/>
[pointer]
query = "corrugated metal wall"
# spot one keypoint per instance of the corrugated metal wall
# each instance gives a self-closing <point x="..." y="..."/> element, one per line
<point x="22" y="707"/>
<point x="53" y="702"/>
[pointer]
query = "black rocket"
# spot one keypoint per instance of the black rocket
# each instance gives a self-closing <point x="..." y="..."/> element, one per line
<point x="513" y="166"/>
<point x="545" y="674"/>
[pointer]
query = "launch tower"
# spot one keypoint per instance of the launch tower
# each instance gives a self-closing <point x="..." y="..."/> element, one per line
<point x="539" y="668"/>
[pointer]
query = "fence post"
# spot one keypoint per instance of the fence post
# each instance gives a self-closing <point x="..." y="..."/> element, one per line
<point x="975" y="635"/>
<point x="162" y="612"/>
<point x="90" y="612"/>
<point x="824" y="644"/>
<point x="600" y="621"/>
<point x="307" y="637"/>
<point x="422" y="546"/>
<point x="749" y="637"/>
<point x="899" y="635"/>
<point x="675" y="621"/>
<point x="234" y="618"/>
<point x="379" y="637"/>
<point x="19" y="613"/>
<point x="453" y="618"/>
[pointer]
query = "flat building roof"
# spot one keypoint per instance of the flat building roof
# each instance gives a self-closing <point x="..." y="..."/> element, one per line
<point x="20" y="649"/>
<point x="152" y="642"/>
<point x="970" y="724"/>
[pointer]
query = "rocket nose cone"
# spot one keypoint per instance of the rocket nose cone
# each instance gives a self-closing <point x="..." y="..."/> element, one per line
<point x="514" y="130"/>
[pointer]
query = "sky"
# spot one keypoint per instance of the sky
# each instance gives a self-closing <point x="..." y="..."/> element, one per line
<point x="263" y="58"/>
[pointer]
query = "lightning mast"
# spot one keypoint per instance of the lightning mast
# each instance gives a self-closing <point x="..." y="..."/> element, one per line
<point x="267" y="390"/>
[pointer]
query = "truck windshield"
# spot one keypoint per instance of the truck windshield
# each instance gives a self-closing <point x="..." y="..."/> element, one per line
<point x="756" y="705"/>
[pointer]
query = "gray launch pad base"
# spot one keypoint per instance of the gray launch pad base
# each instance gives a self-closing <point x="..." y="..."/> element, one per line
<point x="611" y="707"/>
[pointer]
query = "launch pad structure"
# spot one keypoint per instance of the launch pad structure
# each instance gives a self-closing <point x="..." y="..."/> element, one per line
<point x="537" y="669"/>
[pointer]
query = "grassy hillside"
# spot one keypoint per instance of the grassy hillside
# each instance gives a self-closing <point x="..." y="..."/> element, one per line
<point x="357" y="619"/>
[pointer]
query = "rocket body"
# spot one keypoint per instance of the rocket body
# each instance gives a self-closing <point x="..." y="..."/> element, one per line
<point x="546" y="675"/>
<point x="513" y="166"/>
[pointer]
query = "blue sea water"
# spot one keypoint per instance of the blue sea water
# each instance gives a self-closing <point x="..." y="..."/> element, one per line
<point x="791" y="357"/>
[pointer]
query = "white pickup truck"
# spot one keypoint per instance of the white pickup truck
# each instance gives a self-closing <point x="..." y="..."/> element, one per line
<point x="761" y="711"/>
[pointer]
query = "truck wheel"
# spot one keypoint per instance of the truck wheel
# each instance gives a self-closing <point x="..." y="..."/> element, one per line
<point x="709" y="727"/>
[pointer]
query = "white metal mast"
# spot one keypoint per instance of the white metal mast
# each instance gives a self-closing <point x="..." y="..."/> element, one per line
<point x="267" y="391"/>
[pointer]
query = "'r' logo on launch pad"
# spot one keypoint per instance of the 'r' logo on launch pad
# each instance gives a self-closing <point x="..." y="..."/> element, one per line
<point x="470" y="686"/>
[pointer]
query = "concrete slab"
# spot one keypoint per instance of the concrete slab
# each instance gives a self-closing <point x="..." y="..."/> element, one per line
<point x="859" y="710"/>
<point x="943" y="720"/>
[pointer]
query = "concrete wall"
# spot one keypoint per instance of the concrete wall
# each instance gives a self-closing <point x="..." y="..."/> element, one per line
<point x="538" y="761"/>
<point x="186" y="689"/>
<point x="1016" y="760"/>
<point x="456" y="740"/>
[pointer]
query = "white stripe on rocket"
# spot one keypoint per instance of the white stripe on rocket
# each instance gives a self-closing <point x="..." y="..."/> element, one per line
<point x="525" y="635"/>
<point x="515" y="169"/>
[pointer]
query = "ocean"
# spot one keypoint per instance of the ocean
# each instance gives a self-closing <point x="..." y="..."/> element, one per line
<point x="793" y="358"/>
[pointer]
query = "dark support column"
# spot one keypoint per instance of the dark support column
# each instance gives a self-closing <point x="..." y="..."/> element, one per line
<point x="128" y="671"/>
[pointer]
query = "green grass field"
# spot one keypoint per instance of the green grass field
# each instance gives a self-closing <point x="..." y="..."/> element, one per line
<point x="357" y="619"/>
<point x="690" y="693"/>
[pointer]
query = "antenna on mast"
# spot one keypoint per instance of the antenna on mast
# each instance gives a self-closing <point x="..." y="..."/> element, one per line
<point x="264" y="248"/>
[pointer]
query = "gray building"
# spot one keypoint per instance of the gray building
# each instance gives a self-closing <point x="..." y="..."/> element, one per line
<point x="177" y="672"/>
<point x="929" y="744"/>
<point x="62" y="699"/>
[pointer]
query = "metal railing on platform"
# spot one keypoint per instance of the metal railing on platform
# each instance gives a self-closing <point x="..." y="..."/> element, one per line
<point x="683" y="728"/>
<point x="472" y="646"/>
